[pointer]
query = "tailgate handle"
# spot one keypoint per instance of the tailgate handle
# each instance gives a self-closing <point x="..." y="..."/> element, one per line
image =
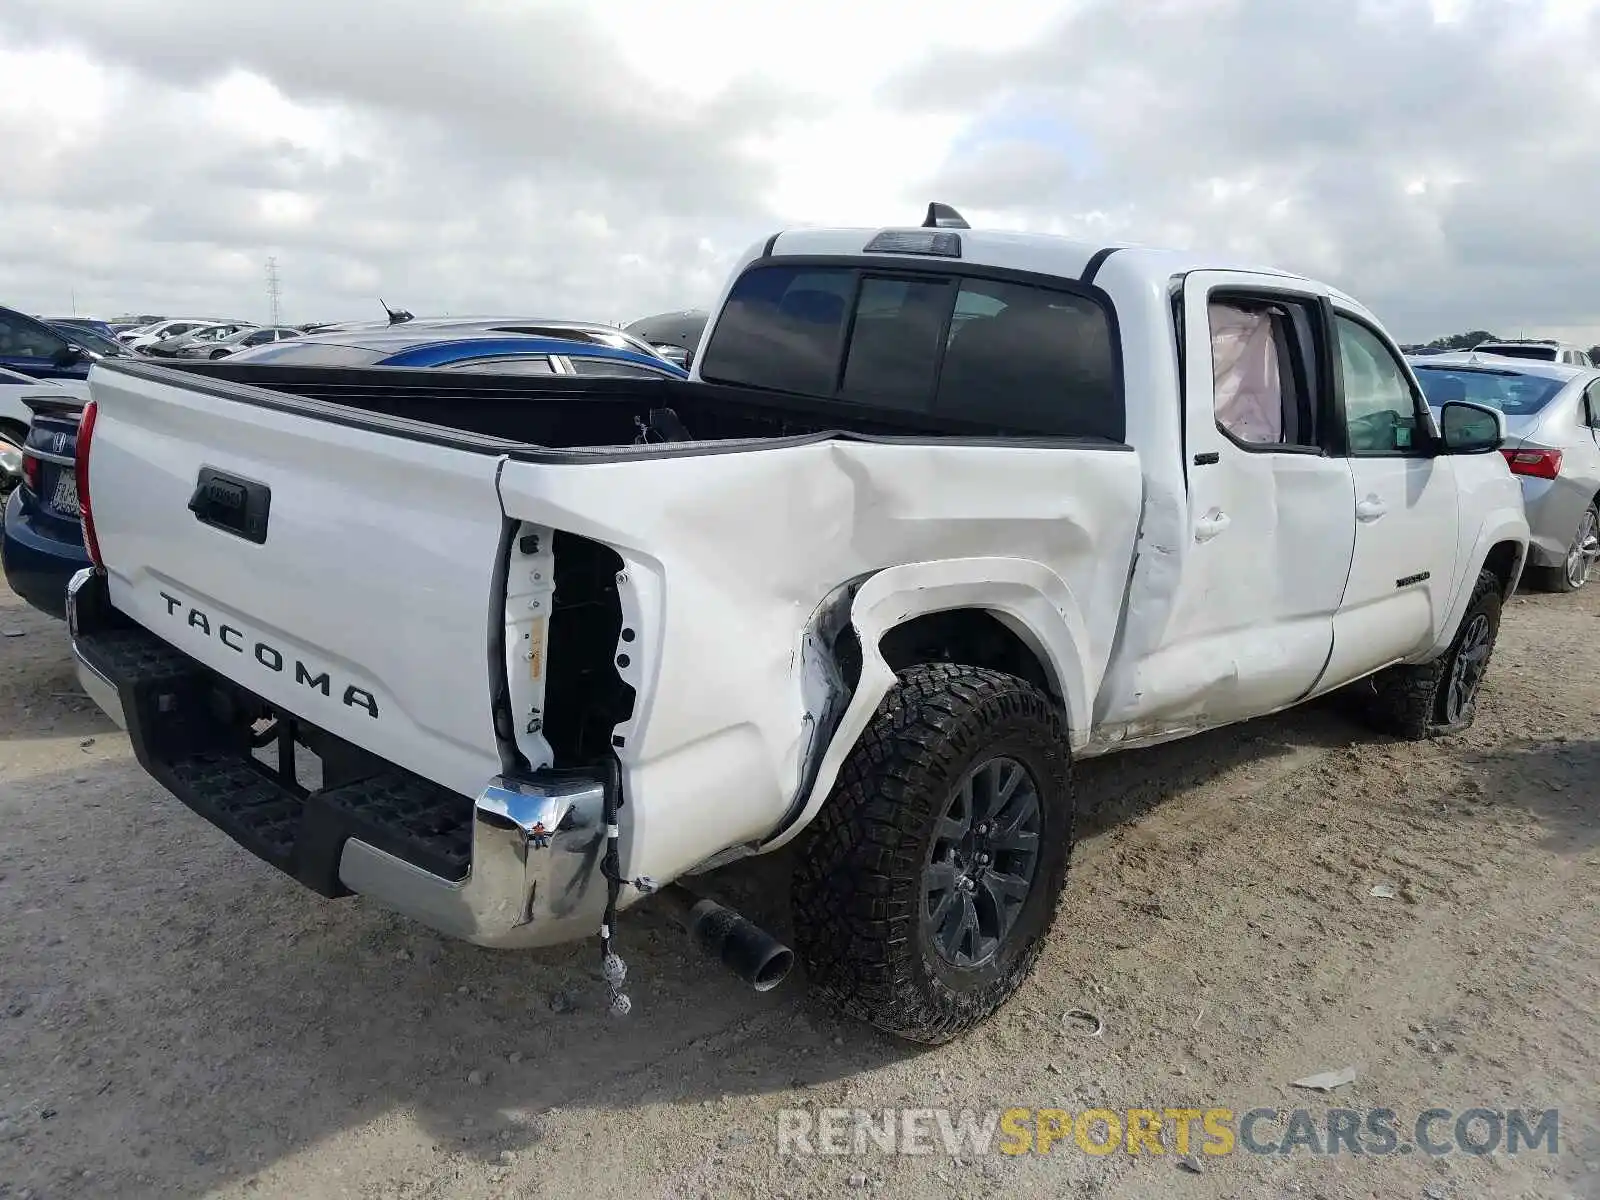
<point x="233" y="505"/>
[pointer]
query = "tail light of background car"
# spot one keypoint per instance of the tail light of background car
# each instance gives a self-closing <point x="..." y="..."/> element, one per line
<point x="1540" y="464"/>
<point x="85" y="507"/>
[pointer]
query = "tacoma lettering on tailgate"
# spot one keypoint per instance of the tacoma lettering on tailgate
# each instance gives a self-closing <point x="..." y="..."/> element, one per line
<point x="267" y="655"/>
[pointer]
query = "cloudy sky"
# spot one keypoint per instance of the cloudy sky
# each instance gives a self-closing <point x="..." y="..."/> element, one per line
<point x="1438" y="158"/>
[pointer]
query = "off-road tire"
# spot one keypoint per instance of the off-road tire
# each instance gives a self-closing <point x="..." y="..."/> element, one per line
<point x="858" y="892"/>
<point x="1555" y="579"/>
<point x="1410" y="702"/>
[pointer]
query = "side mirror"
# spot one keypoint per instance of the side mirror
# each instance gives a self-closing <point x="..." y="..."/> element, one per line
<point x="69" y="354"/>
<point x="1471" y="428"/>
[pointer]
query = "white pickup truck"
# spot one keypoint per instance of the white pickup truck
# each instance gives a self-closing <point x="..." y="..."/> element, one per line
<point x="941" y="511"/>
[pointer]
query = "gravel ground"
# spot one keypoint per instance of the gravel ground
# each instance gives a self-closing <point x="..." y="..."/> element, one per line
<point x="178" y="1019"/>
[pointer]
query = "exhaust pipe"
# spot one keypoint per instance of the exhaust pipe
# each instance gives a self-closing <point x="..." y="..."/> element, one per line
<point x="746" y="949"/>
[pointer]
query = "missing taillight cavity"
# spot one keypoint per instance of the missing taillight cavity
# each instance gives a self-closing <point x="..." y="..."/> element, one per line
<point x="585" y="699"/>
<point x="1538" y="464"/>
<point x="91" y="543"/>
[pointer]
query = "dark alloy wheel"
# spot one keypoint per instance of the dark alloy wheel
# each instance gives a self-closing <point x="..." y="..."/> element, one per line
<point x="982" y="861"/>
<point x="1440" y="697"/>
<point x="926" y="885"/>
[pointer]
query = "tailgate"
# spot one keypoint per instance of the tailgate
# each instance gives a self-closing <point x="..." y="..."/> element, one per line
<point x="357" y="596"/>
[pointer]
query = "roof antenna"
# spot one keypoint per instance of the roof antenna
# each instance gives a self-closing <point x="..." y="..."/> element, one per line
<point x="942" y="216"/>
<point x="397" y="316"/>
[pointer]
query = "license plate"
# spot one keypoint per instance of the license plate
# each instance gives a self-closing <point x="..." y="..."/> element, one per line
<point x="66" y="495"/>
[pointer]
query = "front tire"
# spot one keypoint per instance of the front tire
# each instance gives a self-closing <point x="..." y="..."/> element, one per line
<point x="1572" y="574"/>
<point x="1439" y="698"/>
<point x="928" y="882"/>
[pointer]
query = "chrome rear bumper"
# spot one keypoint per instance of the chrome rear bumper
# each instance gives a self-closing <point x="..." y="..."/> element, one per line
<point x="535" y="878"/>
<point x="533" y="875"/>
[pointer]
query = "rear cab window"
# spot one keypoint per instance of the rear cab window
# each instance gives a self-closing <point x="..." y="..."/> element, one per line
<point x="1003" y="355"/>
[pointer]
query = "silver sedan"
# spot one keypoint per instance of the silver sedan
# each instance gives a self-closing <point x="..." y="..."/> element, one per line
<point x="1552" y="445"/>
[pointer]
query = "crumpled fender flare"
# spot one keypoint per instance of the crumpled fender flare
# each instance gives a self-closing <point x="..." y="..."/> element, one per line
<point x="1502" y="525"/>
<point x="1030" y="599"/>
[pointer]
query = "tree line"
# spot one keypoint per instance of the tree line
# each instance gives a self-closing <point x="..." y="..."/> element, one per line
<point x="1466" y="341"/>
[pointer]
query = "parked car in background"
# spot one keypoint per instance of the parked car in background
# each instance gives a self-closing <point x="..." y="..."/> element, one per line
<point x="31" y="347"/>
<point x="1552" y="446"/>
<point x="138" y="339"/>
<point x="15" y="416"/>
<point x="674" y="335"/>
<point x="1540" y="350"/>
<point x="576" y="331"/>
<point x="450" y="348"/>
<point x="41" y="545"/>
<point x="241" y="339"/>
<point x="88" y="339"/>
<point x="102" y="328"/>
<point x="207" y="335"/>
<point x="41" y="540"/>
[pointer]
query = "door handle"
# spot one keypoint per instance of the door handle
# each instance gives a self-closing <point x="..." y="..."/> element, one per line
<point x="1213" y="523"/>
<point x="1371" y="509"/>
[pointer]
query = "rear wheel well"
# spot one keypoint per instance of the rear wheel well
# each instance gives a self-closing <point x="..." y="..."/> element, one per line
<point x="1501" y="561"/>
<point x="971" y="637"/>
<point x="14" y="429"/>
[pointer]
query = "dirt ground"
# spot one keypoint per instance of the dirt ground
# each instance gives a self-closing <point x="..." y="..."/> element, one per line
<point x="178" y="1019"/>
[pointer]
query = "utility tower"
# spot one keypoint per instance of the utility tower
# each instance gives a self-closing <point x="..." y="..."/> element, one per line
<point x="274" y="289"/>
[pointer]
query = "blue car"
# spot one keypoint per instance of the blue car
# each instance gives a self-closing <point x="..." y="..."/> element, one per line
<point x="42" y="544"/>
<point x="413" y="346"/>
<point x="30" y="347"/>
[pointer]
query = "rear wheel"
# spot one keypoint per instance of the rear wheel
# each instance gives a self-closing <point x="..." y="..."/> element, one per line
<point x="1582" y="554"/>
<point x="926" y="885"/>
<point x="1440" y="697"/>
<point x="14" y="430"/>
<point x="219" y="354"/>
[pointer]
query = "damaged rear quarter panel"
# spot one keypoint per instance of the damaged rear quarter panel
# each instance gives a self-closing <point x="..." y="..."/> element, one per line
<point x="731" y="556"/>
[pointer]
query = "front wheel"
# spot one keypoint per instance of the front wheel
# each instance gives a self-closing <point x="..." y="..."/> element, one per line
<point x="926" y="885"/>
<point x="1572" y="574"/>
<point x="1440" y="697"/>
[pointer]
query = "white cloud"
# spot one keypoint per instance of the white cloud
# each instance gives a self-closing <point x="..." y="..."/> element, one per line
<point x="1436" y="157"/>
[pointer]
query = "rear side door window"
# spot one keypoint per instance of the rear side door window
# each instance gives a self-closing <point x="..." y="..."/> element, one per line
<point x="527" y="364"/>
<point x="610" y="368"/>
<point x="1263" y="371"/>
<point x="25" y="340"/>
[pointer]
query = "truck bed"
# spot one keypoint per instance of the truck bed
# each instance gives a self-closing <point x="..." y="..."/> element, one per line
<point x="528" y="414"/>
<point x="436" y="581"/>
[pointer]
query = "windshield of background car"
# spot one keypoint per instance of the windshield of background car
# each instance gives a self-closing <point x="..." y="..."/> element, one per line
<point x="1019" y="358"/>
<point x="1513" y="393"/>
